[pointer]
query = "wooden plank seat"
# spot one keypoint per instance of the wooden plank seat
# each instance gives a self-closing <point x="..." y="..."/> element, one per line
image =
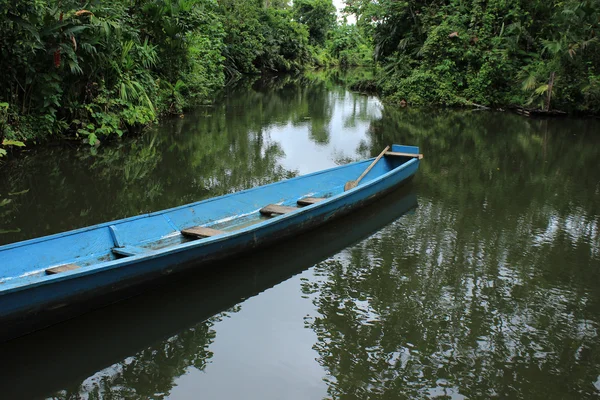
<point x="130" y="250"/>
<point x="61" y="268"/>
<point x="275" y="209"/>
<point x="201" y="232"/>
<point x="397" y="154"/>
<point x="307" y="201"/>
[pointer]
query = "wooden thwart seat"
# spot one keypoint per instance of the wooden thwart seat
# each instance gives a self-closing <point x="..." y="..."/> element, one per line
<point x="275" y="209"/>
<point x="129" y="250"/>
<point x="61" y="268"/>
<point x="397" y="154"/>
<point x="201" y="232"/>
<point x="307" y="201"/>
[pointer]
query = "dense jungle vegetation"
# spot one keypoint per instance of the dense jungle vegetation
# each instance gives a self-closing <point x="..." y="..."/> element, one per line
<point x="99" y="69"/>
<point x="534" y="53"/>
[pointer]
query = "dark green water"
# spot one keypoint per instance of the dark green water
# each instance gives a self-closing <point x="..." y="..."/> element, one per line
<point x="480" y="279"/>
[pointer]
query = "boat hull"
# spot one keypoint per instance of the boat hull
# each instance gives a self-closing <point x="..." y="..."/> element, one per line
<point x="166" y="312"/>
<point x="28" y="308"/>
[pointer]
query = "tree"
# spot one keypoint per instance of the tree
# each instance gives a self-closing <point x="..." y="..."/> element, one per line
<point x="498" y="52"/>
<point x="318" y="15"/>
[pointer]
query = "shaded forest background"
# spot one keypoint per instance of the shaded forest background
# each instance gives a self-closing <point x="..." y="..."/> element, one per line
<point x="532" y="53"/>
<point x="101" y="69"/>
<point x="98" y="69"/>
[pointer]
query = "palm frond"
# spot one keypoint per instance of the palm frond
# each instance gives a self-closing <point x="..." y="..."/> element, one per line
<point x="529" y="83"/>
<point x="541" y="89"/>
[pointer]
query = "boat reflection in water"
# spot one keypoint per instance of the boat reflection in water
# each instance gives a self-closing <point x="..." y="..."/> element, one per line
<point x="51" y="278"/>
<point x="66" y="354"/>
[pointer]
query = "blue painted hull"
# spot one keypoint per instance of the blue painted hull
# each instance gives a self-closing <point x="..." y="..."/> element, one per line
<point x="172" y="309"/>
<point x="26" y="292"/>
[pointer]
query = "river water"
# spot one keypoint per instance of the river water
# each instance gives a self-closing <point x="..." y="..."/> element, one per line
<point x="479" y="279"/>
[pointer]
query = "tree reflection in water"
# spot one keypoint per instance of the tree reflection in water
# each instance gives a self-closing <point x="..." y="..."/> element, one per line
<point x="149" y="373"/>
<point x="490" y="289"/>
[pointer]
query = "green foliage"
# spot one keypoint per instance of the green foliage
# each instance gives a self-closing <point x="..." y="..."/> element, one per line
<point x="110" y="68"/>
<point x="498" y="52"/>
<point x="322" y="57"/>
<point x="262" y="38"/>
<point x="318" y="16"/>
<point x="349" y="46"/>
<point x="105" y="69"/>
<point x="4" y="131"/>
<point x="7" y="142"/>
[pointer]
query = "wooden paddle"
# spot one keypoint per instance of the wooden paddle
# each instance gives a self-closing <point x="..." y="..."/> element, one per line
<point x="352" y="184"/>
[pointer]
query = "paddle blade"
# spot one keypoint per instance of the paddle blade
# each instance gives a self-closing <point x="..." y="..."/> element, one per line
<point x="350" y="185"/>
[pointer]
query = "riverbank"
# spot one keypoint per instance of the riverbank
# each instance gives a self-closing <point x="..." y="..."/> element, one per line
<point x="116" y="67"/>
<point x="534" y="54"/>
<point x="372" y="86"/>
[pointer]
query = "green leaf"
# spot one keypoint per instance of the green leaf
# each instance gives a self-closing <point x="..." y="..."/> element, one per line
<point x="9" y="231"/>
<point x="541" y="89"/>
<point x="92" y="138"/>
<point x="7" y="142"/>
<point x="5" y="202"/>
<point x="530" y="82"/>
<point x="18" y="193"/>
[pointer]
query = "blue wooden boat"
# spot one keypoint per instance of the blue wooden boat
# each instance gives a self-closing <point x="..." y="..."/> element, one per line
<point x="41" y="277"/>
<point x="82" y="346"/>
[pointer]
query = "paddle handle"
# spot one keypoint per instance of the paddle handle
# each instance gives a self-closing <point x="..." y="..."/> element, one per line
<point x="372" y="164"/>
